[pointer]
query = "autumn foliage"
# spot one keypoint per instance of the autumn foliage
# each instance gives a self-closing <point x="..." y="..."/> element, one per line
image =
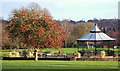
<point x="35" y="29"/>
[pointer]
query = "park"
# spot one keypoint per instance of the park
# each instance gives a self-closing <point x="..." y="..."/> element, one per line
<point x="36" y="41"/>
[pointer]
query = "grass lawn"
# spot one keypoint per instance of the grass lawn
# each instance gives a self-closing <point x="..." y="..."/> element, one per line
<point x="55" y="64"/>
<point x="52" y="64"/>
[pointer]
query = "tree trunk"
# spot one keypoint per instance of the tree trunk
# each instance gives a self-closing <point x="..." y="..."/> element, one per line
<point x="36" y="55"/>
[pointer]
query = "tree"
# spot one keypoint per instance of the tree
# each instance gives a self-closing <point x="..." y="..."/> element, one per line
<point x="35" y="28"/>
<point x="68" y="28"/>
<point x="81" y="29"/>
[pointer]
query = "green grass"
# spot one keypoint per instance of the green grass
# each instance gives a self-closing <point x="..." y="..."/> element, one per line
<point x="52" y="64"/>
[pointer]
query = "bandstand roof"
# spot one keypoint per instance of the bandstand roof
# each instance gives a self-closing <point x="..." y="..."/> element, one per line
<point x="95" y="35"/>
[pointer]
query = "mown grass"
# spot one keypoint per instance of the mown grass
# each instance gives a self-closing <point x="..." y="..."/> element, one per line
<point x="52" y="64"/>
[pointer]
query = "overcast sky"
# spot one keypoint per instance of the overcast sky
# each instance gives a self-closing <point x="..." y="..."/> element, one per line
<point x="67" y="9"/>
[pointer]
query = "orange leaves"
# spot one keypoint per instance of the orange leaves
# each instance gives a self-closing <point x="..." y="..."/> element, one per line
<point x="22" y="22"/>
<point x="19" y="35"/>
<point x="24" y="45"/>
<point x="10" y="22"/>
<point x="52" y="43"/>
<point x="41" y="29"/>
<point x="41" y="22"/>
<point x="29" y="25"/>
<point x="38" y="29"/>
<point x="29" y="36"/>
<point x="22" y="30"/>
<point x="26" y="28"/>
<point x="36" y="39"/>
<point x="50" y="39"/>
<point x="21" y="26"/>
<point x="35" y="21"/>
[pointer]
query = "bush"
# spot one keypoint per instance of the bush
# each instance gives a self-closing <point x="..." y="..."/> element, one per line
<point x="47" y="52"/>
<point x="25" y="53"/>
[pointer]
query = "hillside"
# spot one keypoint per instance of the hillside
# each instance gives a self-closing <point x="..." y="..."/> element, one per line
<point x="74" y="29"/>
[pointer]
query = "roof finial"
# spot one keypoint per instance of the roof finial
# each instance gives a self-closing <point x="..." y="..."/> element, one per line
<point x="95" y="24"/>
<point x="95" y="29"/>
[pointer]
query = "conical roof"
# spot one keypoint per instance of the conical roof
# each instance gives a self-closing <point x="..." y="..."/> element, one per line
<point x="95" y="29"/>
<point x="95" y="35"/>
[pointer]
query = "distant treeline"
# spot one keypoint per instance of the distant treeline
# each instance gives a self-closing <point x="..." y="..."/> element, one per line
<point x="73" y="29"/>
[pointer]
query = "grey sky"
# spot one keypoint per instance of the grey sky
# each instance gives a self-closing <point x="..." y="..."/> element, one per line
<point x="68" y="9"/>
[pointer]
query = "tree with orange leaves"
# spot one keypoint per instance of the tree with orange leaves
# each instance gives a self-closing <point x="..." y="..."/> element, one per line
<point x="35" y="28"/>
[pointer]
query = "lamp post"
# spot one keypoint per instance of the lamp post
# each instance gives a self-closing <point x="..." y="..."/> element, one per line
<point x="95" y="48"/>
<point x="108" y="48"/>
